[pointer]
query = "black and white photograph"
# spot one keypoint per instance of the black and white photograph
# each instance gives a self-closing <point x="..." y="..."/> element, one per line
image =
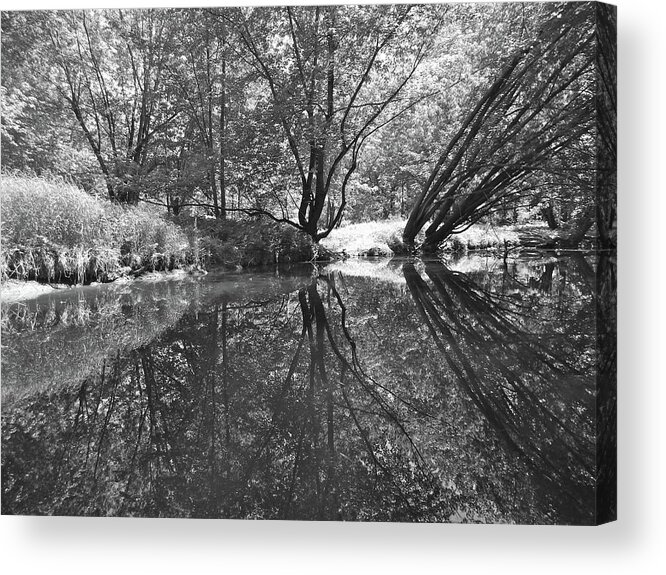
<point x="350" y="263"/>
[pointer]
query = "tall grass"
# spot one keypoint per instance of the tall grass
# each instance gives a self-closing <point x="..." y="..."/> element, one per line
<point x="53" y="231"/>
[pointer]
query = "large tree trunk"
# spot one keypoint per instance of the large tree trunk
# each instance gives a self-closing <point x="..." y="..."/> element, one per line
<point x="548" y="214"/>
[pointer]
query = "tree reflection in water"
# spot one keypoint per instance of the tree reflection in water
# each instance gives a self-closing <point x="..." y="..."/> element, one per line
<point x="523" y="371"/>
<point x="435" y="396"/>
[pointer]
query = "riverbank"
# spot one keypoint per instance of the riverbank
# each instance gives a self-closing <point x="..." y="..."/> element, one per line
<point x="385" y="238"/>
<point x="16" y="290"/>
<point x="56" y="233"/>
<point x="365" y="239"/>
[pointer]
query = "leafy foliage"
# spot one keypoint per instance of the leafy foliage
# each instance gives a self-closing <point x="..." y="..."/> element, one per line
<point x="309" y="115"/>
<point x="255" y="243"/>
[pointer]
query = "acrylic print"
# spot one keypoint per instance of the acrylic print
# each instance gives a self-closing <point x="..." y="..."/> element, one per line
<point x="349" y="263"/>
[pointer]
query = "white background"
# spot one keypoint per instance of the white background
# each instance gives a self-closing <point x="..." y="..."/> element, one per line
<point x="631" y="545"/>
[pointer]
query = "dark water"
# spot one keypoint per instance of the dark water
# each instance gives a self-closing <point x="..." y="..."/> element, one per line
<point x="381" y="391"/>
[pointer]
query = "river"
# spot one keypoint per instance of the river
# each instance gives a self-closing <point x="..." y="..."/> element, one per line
<point x="372" y="390"/>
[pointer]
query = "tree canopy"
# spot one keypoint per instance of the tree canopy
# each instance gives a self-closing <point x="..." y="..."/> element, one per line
<point x="313" y="116"/>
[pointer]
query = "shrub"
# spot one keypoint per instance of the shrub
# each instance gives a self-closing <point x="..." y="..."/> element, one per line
<point x="253" y="242"/>
<point x="220" y="252"/>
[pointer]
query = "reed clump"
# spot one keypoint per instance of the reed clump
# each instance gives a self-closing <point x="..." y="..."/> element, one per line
<point x="53" y="231"/>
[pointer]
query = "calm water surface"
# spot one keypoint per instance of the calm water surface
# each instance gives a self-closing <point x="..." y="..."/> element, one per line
<point x="366" y="390"/>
